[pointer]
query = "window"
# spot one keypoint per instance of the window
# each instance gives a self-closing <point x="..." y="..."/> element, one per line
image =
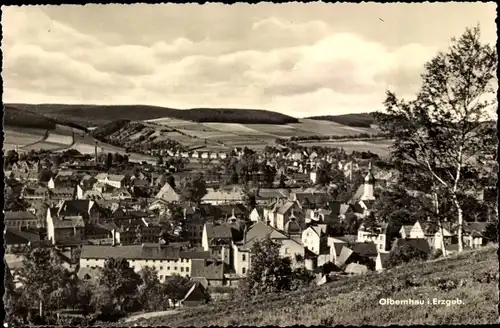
<point x="161" y="268"/>
<point x="287" y="251"/>
<point x="182" y="269"/>
<point x="168" y="268"/>
<point x="187" y="269"/>
<point x="243" y="270"/>
<point x="305" y="241"/>
<point x="175" y="268"/>
<point x="243" y="257"/>
<point x="380" y="246"/>
<point x="161" y="277"/>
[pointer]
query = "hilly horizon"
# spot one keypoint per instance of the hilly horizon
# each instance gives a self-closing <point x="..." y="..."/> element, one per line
<point x="95" y="115"/>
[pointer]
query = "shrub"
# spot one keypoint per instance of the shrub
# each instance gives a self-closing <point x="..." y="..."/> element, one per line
<point x="437" y="253"/>
<point x="405" y="254"/>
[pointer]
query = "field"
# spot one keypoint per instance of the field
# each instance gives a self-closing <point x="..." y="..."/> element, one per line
<point x="380" y="147"/>
<point x="355" y="300"/>
<point x="20" y="137"/>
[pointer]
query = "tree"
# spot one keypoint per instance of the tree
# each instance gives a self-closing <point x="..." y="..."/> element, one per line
<point x="447" y="131"/>
<point x="176" y="287"/>
<point x="10" y="158"/>
<point x="119" y="285"/>
<point x="171" y="181"/>
<point x="269" y="272"/>
<point x="282" y="181"/>
<point x="151" y="290"/>
<point x="194" y="188"/>
<point x="370" y="223"/>
<point x="405" y="254"/>
<point x="159" y="161"/>
<point x="109" y="161"/>
<point x="41" y="276"/>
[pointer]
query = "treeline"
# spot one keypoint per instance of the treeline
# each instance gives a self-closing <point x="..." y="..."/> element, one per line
<point x="363" y="120"/>
<point x="244" y="116"/>
<point x="338" y="153"/>
<point x="97" y="114"/>
<point x="334" y="137"/>
<point x="20" y="118"/>
<point x="104" y="131"/>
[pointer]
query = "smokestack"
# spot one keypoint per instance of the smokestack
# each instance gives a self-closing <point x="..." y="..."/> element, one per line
<point x="95" y="148"/>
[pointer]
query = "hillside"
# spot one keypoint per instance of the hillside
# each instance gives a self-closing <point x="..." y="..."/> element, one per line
<point x="362" y="120"/>
<point x="91" y="115"/>
<point x="355" y="300"/>
<point x="21" y="117"/>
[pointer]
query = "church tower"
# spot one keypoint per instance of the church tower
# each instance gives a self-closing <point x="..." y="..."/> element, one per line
<point x="368" y="186"/>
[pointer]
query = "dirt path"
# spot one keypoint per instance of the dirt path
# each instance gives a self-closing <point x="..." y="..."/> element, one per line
<point x="150" y="315"/>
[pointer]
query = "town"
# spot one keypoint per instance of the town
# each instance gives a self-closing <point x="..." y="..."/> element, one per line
<point x="366" y="192"/>
<point x="322" y="211"/>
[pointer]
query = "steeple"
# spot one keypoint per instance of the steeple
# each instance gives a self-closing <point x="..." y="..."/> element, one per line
<point x="369" y="178"/>
<point x="368" y="186"/>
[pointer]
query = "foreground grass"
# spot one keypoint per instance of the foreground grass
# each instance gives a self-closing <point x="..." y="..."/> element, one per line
<point x="355" y="300"/>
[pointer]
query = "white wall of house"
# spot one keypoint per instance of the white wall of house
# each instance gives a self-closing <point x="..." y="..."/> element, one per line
<point x="164" y="268"/>
<point x="311" y="240"/>
<point x="417" y="231"/>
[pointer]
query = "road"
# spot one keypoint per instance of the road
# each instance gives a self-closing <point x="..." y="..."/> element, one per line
<point x="150" y="315"/>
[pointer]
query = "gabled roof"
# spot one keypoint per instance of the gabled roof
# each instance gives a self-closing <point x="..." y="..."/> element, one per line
<point x="16" y="237"/>
<point x="337" y="248"/>
<point x="286" y="207"/>
<point x="344" y="255"/>
<point x="116" y="177"/>
<point x="407" y="229"/>
<point x="139" y="252"/>
<point x="211" y="270"/>
<point x="19" y="215"/>
<point x="220" y="231"/>
<point x="76" y="207"/>
<point x="167" y="193"/>
<point x="474" y="227"/>
<point x="196" y="293"/>
<point x="365" y="249"/>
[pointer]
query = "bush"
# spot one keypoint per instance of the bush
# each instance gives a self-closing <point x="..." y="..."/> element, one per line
<point x="437" y="253"/>
<point x="405" y="254"/>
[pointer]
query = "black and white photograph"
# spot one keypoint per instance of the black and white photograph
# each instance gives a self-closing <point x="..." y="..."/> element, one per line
<point x="267" y="164"/>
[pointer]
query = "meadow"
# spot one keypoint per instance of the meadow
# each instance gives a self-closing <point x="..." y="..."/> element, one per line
<point x="354" y="300"/>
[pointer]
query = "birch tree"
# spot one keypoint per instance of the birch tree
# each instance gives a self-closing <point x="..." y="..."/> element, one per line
<point x="448" y="130"/>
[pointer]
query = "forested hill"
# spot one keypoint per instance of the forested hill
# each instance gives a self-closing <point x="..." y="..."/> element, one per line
<point x="362" y="120"/>
<point x="91" y="115"/>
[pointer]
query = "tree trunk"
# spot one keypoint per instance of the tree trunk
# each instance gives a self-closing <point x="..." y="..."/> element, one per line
<point x="40" y="309"/>
<point x="436" y="205"/>
<point x="460" y="223"/>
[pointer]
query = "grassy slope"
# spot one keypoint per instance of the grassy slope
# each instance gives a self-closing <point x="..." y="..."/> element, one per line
<point x="354" y="300"/>
<point x="354" y="120"/>
<point x="88" y="115"/>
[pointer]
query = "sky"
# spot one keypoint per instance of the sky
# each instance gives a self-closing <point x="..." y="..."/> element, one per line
<point x="295" y="58"/>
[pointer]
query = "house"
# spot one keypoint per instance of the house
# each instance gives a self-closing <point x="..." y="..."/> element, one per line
<point x="196" y="296"/>
<point x="258" y="232"/>
<point x="425" y="230"/>
<point x="364" y="197"/>
<point x="217" y="238"/>
<point x="65" y="229"/>
<point x="220" y="196"/>
<point x="211" y="271"/>
<point x="88" y="209"/>
<point x="356" y="268"/>
<point x="62" y="193"/>
<point x="379" y="237"/>
<point x="286" y="211"/>
<point x="114" y="180"/>
<point x="167" y="260"/>
<point x="473" y="234"/>
<point x="405" y="230"/>
<point x="366" y="249"/>
<point x="315" y="239"/>
<point x="15" y="239"/>
<point x="21" y="219"/>
<point x="444" y="235"/>
<point x="257" y="214"/>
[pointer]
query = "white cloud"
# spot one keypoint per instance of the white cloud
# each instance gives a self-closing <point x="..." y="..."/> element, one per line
<point x="299" y="68"/>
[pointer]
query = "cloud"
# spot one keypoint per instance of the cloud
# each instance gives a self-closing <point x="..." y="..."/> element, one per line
<point x="301" y="68"/>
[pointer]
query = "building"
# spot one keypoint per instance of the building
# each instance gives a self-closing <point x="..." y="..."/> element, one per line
<point x="220" y="196"/>
<point x="210" y="271"/>
<point x="379" y="237"/>
<point x="217" y="239"/>
<point x="315" y="239"/>
<point x="168" y="194"/>
<point x="65" y="229"/>
<point x="364" y="197"/>
<point x="21" y="219"/>
<point x="167" y="260"/>
<point x="258" y="232"/>
<point x="473" y="234"/>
